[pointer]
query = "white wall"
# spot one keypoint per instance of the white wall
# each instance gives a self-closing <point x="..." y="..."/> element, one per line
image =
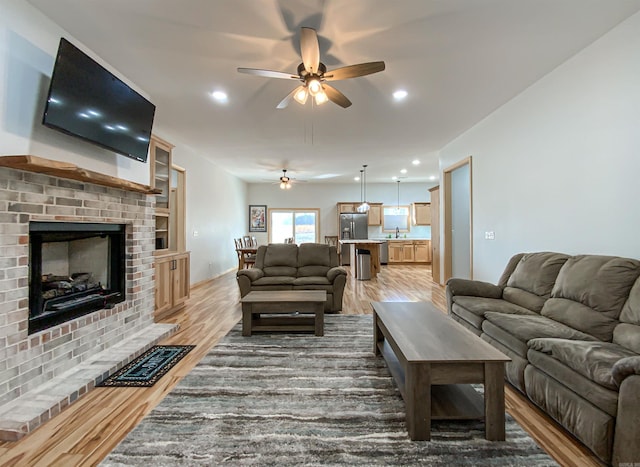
<point x="557" y="167"/>
<point x="326" y="195"/>
<point x="216" y="205"/>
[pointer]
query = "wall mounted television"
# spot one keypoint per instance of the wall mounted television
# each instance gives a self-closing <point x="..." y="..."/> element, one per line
<point x="87" y="101"/>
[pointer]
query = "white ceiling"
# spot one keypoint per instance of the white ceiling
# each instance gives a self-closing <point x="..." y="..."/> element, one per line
<point x="459" y="60"/>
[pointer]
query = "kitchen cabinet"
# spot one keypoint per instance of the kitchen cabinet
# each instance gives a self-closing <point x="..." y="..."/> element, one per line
<point x="172" y="282"/>
<point x="421" y="213"/>
<point x="375" y="214"/>
<point x="422" y="251"/>
<point x="409" y="251"/>
<point x="395" y="252"/>
<point x="347" y="207"/>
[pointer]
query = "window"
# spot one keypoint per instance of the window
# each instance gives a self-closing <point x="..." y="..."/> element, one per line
<point x="397" y="216"/>
<point x="301" y="224"/>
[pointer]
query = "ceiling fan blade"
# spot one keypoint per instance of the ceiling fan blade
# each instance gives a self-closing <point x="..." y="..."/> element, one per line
<point x="285" y="102"/>
<point x="267" y="73"/>
<point x="336" y="96"/>
<point x="353" y="71"/>
<point x="309" y="49"/>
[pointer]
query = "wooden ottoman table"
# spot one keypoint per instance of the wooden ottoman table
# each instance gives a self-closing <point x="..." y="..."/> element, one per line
<point x="262" y="310"/>
<point x="434" y="360"/>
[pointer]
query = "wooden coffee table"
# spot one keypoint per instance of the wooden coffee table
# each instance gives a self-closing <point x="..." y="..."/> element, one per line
<point x="262" y="311"/>
<point x="433" y="360"/>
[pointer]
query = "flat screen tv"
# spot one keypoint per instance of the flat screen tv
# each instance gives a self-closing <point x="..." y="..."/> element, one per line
<point x="87" y="101"/>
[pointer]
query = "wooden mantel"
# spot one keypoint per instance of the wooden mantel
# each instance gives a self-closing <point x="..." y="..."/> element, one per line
<point x="67" y="170"/>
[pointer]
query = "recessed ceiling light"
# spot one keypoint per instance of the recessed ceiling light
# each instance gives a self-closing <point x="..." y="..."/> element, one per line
<point x="433" y="177"/>
<point x="403" y="171"/>
<point x="415" y="162"/>
<point x="357" y="179"/>
<point x="394" y="178"/>
<point x="400" y="94"/>
<point x="219" y="96"/>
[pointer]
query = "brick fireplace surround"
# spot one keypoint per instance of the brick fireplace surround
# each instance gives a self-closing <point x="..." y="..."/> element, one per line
<point x="42" y="373"/>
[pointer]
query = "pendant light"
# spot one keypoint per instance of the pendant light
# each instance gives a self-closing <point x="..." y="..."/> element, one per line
<point x="364" y="207"/>
<point x="398" y="202"/>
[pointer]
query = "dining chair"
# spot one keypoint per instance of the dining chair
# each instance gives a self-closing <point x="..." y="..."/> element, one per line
<point x="246" y="241"/>
<point x="331" y="240"/>
<point x="254" y="242"/>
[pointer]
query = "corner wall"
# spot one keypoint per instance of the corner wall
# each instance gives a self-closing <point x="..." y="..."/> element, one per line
<point x="557" y="167"/>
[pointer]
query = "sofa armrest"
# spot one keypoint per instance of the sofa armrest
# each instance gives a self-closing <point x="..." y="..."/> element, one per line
<point x="625" y="367"/>
<point x="335" y="272"/>
<point x="253" y="273"/>
<point x="626" y="449"/>
<point x="471" y="288"/>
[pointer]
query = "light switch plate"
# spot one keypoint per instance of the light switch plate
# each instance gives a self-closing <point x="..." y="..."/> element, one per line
<point x="490" y="235"/>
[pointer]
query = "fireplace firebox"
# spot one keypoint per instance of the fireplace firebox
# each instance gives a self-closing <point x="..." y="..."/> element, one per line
<point x="75" y="268"/>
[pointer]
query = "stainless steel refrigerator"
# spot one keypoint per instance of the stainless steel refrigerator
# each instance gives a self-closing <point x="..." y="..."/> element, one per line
<point x="352" y="227"/>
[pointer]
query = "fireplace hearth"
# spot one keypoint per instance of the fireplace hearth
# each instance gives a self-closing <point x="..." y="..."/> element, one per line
<point x="75" y="268"/>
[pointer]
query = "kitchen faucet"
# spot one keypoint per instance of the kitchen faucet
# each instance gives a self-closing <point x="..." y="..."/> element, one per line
<point x="397" y="232"/>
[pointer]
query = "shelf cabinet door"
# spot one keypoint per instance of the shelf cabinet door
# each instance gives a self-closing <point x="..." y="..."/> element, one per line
<point x="164" y="287"/>
<point x="181" y="287"/>
<point x="422" y="213"/>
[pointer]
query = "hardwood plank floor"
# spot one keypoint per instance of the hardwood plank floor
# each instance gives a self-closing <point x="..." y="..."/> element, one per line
<point x="85" y="432"/>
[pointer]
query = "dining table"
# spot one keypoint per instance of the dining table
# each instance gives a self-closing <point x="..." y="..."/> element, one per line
<point x="243" y="253"/>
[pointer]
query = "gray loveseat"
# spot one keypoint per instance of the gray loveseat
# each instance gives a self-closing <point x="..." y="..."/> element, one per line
<point x="310" y="266"/>
<point x="571" y="325"/>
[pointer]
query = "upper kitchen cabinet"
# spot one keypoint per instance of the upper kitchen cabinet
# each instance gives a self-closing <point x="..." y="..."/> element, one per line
<point x="421" y="213"/>
<point x="375" y="214"/>
<point x="347" y="207"/>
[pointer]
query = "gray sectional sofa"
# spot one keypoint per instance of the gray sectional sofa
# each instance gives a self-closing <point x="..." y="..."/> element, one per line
<point x="310" y="266"/>
<point x="571" y="325"/>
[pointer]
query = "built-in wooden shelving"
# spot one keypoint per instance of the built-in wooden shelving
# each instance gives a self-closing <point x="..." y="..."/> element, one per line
<point x="71" y="171"/>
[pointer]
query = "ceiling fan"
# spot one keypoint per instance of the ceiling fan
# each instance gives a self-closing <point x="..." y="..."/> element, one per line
<point x="314" y="75"/>
<point x="286" y="181"/>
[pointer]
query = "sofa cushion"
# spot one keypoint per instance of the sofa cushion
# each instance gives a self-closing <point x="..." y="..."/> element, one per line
<point x="311" y="280"/>
<point x="593" y="360"/>
<point x="537" y="272"/>
<point x="627" y="333"/>
<point x="472" y="309"/>
<point x="279" y="260"/>
<point x="598" y="286"/>
<point x="274" y="280"/>
<point x="515" y="331"/>
<point x="604" y="398"/>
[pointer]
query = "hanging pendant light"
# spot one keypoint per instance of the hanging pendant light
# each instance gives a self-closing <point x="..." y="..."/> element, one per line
<point x="364" y="207"/>
<point x="398" y="203"/>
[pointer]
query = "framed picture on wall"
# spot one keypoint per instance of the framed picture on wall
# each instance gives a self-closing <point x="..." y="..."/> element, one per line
<point x="257" y="218"/>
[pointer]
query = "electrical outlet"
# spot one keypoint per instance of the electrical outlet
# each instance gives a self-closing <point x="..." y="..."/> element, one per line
<point x="196" y="233"/>
<point x="491" y="235"/>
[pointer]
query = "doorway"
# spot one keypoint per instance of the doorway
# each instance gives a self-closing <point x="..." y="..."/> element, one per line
<point x="458" y="215"/>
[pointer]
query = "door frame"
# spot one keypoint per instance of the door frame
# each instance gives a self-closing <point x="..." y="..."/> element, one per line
<point x="446" y="191"/>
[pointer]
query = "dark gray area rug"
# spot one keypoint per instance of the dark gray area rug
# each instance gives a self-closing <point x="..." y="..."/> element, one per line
<point x="297" y="399"/>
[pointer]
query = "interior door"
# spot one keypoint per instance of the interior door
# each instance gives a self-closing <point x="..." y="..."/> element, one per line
<point x="435" y="234"/>
<point x="457" y="222"/>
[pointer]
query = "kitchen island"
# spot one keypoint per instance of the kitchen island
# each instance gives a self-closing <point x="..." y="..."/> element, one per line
<point x="372" y="245"/>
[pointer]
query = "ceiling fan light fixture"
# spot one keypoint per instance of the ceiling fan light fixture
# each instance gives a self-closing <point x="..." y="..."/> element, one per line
<point x="301" y="96"/>
<point x="321" y="98"/>
<point x="314" y="86"/>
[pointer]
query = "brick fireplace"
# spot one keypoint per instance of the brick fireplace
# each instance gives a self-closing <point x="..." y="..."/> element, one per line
<point x="43" y="372"/>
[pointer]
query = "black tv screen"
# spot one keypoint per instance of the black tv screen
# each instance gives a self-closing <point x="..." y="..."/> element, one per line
<point x="87" y="101"/>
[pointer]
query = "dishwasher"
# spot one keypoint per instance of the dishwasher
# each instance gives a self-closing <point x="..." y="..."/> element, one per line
<point x="384" y="252"/>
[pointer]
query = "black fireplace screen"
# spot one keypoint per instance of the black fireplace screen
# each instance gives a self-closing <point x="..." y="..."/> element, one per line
<point x="75" y="268"/>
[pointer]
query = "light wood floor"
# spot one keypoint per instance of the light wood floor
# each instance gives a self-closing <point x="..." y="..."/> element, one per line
<point x="85" y="432"/>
